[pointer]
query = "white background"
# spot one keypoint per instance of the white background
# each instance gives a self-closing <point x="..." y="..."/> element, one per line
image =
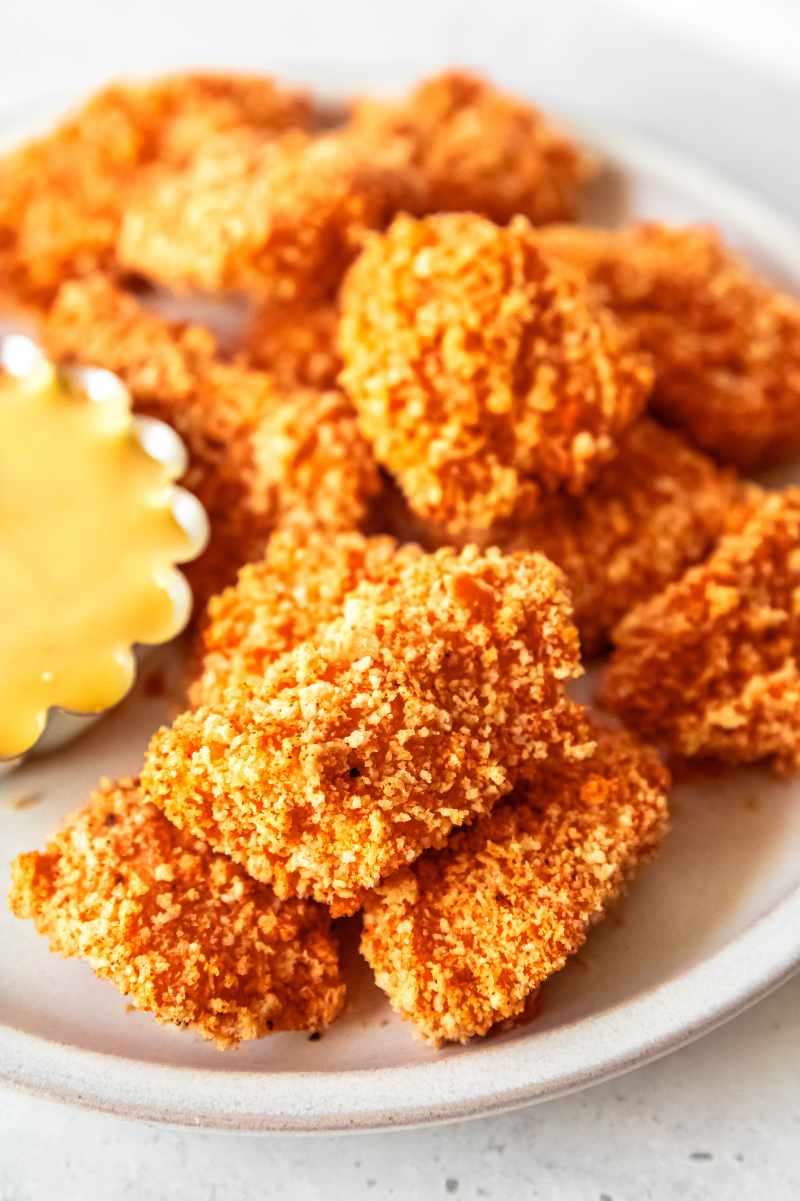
<point x="721" y="1119"/>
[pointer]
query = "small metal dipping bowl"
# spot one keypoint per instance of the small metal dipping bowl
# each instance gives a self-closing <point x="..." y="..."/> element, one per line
<point x="20" y="357"/>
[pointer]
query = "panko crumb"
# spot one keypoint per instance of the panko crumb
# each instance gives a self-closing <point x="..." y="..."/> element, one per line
<point x="62" y="196"/>
<point x="309" y="450"/>
<point x="295" y="343"/>
<point x="174" y="373"/>
<point x="461" y="940"/>
<point x="726" y="344"/>
<point x="182" y="932"/>
<point x="278" y="218"/>
<point x="711" y="666"/>
<point x="482" y="371"/>
<point x="654" y="510"/>
<point x="479" y="149"/>
<point x="298" y="587"/>
<point x="413" y="712"/>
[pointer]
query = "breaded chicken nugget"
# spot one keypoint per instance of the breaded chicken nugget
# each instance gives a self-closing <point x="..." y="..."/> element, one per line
<point x="410" y="714"/>
<point x="298" y="587"/>
<point x="182" y="932"/>
<point x="309" y="448"/>
<point x="482" y="373"/>
<point x="726" y="344"/>
<point x="280" y="219"/>
<point x="711" y="666"/>
<point x="479" y="149"/>
<point x="62" y="197"/>
<point x="657" y="508"/>
<point x="461" y="940"/>
<point x="654" y="510"/>
<point x="295" y="343"/>
<point x="173" y="373"/>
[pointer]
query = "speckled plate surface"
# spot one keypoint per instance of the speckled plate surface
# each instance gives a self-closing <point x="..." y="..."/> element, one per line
<point x="709" y="929"/>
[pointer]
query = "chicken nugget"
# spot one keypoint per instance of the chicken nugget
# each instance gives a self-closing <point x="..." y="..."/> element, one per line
<point x="726" y="344"/>
<point x="298" y="587"/>
<point x="308" y="447"/>
<point x="412" y="713"/>
<point x="62" y="196"/>
<point x="711" y="665"/>
<point x="479" y="149"/>
<point x="181" y="931"/>
<point x="460" y="940"/>
<point x="173" y="373"/>
<point x="295" y="343"/>
<point x="482" y="372"/>
<point x="654" y="510"/>
<point x="279" y="219"/>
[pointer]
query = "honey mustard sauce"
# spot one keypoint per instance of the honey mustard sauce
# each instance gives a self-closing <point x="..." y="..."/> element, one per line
<point x="88" y="543"/>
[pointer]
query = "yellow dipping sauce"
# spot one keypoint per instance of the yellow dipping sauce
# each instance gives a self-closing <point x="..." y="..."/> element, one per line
<point x="88" y="543"/>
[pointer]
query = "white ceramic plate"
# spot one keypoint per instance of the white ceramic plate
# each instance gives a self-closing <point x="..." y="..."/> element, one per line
<point x="708" y="930"/>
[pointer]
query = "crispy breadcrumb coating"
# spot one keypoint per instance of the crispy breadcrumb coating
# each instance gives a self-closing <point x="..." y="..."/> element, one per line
<point x="182" y="932"/>
<point x="726" y="344"/>
<point x="482" y="373"/>
<point x="280" y="219"/>
<point x="657" y="508"/>
<point x="173" y="373"/>
<point x="479" y="149"/>
<point x="410" y="714"/>
<point x="62" y="196"/>
<point x="460" y="940"/>
<point x="295" y="343"/>
<point x="309" y="448"/>
<point x="654" y="510"/>
<point x="298" y="587"/>
<point x="711" y="666"/>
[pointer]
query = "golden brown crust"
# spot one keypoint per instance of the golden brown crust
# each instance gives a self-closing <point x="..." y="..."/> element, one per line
<point x="298" y="587"/>
<point x="309" y="449"/>
<point x="62" y="196"/>
<point x="460" y="940"/>
<point x="657" y="508"/>
<point x="410" y="714"/>
<point x="482" y="373"/>
<point x="711" y="665"/>
<point x="726" y="345"/>
<point x="182" y="932"/>
<point x="654" y="510"/>
<point x="280" y="219"/>
<point x="295" y="343"/>
<point x="479" y="149"/>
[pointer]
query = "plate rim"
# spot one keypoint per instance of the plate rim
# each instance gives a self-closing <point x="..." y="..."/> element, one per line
<point x="482" y="1078"/>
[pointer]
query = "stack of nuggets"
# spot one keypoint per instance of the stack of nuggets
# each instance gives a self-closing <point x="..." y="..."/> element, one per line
<point x="378" y="722"/>
<point x="412" y="712"/>
<point x="460" y="940"/>
<point x="62" y="198"/>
